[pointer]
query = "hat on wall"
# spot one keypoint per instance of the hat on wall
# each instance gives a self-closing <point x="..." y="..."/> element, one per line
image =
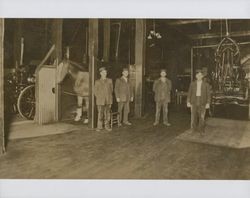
<point x="102" y="69"/>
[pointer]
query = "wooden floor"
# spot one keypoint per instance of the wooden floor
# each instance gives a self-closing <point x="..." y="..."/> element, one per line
<point x="137" y="152"/>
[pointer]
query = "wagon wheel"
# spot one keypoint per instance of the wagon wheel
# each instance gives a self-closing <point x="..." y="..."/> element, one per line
<point x="26" y="102"/>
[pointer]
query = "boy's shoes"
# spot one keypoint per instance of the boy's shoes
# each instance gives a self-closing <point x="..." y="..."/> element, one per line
<point x="202" y="132"/>
<point x="155" y="123"/>
<point x="127" y="123"/>
<point x="77" y="118"/>
<point x="86" y="121"/>
<point x="194" y="130"/>
<point x="167" y="124"/>
<point x="108" y="129"/>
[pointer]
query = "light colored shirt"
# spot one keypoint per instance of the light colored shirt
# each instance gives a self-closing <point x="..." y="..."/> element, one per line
<point x="126" y="79"/>
<point x="198" y="90"/>
<point x="163" y="79"/>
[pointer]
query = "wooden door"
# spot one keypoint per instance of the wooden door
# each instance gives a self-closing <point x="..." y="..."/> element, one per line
<point x="46" y="95"/>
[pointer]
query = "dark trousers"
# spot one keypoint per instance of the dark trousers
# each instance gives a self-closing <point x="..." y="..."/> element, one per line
<point x="123" y="106"/>
<point x="103" y="116"/>
<point x="161" y="105"/>
<point x="198" y="112"/>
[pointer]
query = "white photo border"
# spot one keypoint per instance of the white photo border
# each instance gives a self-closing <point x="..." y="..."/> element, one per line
<point x="124" y="9"/>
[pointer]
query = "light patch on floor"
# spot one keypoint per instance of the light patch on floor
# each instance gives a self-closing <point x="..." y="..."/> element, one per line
<point x="31" y="129"/>
<point x="222" y="132"/>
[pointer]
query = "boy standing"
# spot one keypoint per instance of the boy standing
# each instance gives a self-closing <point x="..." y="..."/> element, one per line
<point x="162" y="89"/>
<point x="198" y="100"/>
<point x="124" y="94"/>
<point x="103" y="92"/>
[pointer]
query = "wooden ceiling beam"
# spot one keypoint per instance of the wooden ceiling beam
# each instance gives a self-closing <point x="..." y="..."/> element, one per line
<point x="189" y="21"/>
<point x="217" y="35"/>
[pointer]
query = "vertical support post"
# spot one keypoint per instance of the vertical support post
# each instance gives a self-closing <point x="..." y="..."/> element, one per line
<point x="2" y="132"/>
<point x="106" y="44"/>
<point x="192" y="63"/>
<point x="118" y="41"/>
<point x="85" y="43"/>
<point x="57" y="56"/>
<point x="56" y="38"/>
<point x="140" y="40"/>
<point x="93" y="53"/>
<point x="17" y="41"/>
<point x="21" y="51"/>
<point x="46" y="27"/>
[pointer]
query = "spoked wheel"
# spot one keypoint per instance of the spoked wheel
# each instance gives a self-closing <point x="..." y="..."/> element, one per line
<point x="26" y="102"/>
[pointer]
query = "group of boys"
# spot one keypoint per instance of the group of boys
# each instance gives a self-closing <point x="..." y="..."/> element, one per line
<point x="198" y="99"/>
<point x="104" y="98"/>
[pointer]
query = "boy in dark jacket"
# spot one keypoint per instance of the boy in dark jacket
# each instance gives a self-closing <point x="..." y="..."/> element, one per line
<point x="198" y="100"/>
<point x="124" y="94"/>
<point x="162" y="89"/>
<point x="103" y="92"/>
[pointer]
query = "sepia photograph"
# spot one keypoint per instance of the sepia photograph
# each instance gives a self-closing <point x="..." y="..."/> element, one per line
<point x="116" y="98"/>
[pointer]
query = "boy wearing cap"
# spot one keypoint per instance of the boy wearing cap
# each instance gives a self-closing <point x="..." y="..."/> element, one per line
<point x="124" y="94"/>
<point x="162" y="89"/>
<point x="103" y="92"/>
<point x="198" y="100"/>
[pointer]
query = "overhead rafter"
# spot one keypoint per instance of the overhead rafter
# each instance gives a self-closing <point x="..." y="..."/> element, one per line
<point x="189" y="21"/>
<point x="218" y="35"/>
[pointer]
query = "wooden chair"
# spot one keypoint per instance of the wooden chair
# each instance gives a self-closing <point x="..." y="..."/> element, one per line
<point x="115" y="119"/>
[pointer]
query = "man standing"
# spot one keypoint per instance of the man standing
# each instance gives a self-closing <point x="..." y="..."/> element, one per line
<point x="198" y="100"/>
<point x="103" y="93"/>
<point x="162" y="89"/>
<point x="124" y="94"/>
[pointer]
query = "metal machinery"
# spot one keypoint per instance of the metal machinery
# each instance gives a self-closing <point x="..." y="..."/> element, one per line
<point x="229" y="84"/>
<point x="20" y="91"/>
